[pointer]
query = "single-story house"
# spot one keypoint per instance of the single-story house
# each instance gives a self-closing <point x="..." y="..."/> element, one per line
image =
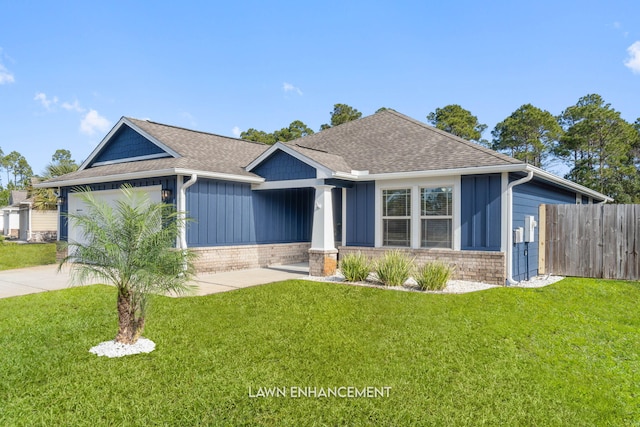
<point x="37" y="225"/>
<point x="380" y="182"/>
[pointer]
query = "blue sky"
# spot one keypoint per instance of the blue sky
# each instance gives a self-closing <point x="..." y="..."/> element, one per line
<point x="69" y="70"/>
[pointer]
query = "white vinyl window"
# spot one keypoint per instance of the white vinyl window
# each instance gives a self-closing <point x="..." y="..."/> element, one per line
<point x="396" y="217"/>
<point x="436" y="217"/>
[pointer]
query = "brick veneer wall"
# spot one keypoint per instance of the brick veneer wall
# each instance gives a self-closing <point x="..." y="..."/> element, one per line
<point x="225" y="258"/>
<point x="477" y="266"/>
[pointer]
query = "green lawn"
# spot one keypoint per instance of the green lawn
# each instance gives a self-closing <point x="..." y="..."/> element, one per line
<point x="567" y="354"/>
<point x="13" y="255"/>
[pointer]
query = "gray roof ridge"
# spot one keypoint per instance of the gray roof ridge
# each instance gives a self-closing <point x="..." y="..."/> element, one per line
<point x="315" y="149"/>
<point x="455" y="137"/>
<point x="195" y="131"/>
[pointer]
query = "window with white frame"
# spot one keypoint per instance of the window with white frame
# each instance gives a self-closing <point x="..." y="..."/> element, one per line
<point x="436" y="217"/>
<point x="396" y="217"/>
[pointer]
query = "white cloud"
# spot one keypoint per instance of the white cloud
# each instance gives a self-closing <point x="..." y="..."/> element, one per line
<point x="633" y="62"/>
<point x="288" y="87"/>
<point x="236" y="131"/>
<point x="617" y="25"/>
<point x="5" y="76"/>
<point x="93" y="122"/>
<point x="73" y="107"/>
<point x="45" y="101"/>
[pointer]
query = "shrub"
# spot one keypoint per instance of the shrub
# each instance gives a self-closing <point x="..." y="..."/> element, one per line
<point x="433" y="276"/>
<point x="355" y="267"/>
<point x="394" y="268"/>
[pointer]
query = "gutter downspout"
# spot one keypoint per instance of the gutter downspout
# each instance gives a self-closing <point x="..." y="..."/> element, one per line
<point x="510" y="281"/>
<point x="182" y="207"/>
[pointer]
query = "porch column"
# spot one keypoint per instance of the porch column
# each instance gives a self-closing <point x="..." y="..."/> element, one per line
<point x="323" y="256"/>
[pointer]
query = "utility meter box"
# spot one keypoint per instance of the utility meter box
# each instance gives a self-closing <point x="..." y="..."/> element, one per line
<point x="530" y="225"/>
<point x="518" y="235"/>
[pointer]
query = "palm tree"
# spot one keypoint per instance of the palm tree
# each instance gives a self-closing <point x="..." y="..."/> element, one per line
<point x="46" y="198"/>
<point x="131" y="246"/>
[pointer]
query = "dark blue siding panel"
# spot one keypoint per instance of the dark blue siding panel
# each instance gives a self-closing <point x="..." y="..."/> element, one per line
<point x="526" y="201"/>
<point x="361" y="214"/>
<point x="228" y="213"/>
<point x="220" y="213"/>
<point x="281" y="166"/>
<point x="283" y="216"/>
<point x="167" y="183"/>
<point x="481" y="212"/>
<point x="127" y="143"/>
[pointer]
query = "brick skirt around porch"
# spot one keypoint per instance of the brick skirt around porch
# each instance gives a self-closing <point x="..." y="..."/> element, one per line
<point x="476" y="266"/>
<point x="215" y="259"/>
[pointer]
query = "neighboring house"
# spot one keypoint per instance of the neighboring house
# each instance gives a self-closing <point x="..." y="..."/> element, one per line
<point x="380" y="182"/>
<point x="11" y="214"/>
<point x="37" y="225"/>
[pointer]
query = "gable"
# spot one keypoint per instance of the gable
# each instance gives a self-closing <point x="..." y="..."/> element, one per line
<point x="127" y="145"/>
<point x="280" y="166"/>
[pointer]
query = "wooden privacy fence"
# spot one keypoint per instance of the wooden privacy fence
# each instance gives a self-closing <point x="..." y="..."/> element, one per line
<point x="599" y="241"/>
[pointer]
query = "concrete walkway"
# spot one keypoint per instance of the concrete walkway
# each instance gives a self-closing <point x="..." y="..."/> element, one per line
<point x="44" y="278"/>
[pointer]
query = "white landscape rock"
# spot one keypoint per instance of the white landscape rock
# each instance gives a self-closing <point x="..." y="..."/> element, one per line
<point x="453" y="286"/>
<point x="116" y="349"/>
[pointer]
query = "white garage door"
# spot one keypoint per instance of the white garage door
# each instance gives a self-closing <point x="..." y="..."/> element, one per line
<point x="76" y="206"/>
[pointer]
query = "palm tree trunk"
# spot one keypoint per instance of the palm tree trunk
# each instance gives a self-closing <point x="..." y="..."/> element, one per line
<point x="129" y="328"/>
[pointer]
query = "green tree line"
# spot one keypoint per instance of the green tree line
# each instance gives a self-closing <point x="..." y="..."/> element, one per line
<point x="600" y="148"/>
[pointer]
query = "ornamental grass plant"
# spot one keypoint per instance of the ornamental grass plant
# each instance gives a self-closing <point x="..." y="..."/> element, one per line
<point x="394" y="268"/>
<point x="355" y="267"/>
<point x="433" y="276"/>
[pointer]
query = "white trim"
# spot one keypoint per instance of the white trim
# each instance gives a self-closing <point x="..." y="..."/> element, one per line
<point x="504" y="211"/>
<point x="480" y="170"/>
<point x="321" y="170"/>
<point x="566" y="183"/>
<point x="124" y="121"/>
<point x="132" y="159"/>
<point x="578" y="199"/>
<point x="440" y="173"/>
<point x="182" y="206"/>
<point x="527" y="178"/>
<point x="150" y="174"/>
<point x="294" y="183"/>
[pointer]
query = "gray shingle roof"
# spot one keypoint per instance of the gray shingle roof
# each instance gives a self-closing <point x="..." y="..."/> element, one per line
<point x="392" y="142"/>
<point x="198" y="150"/>
<point x="385" y="142"/>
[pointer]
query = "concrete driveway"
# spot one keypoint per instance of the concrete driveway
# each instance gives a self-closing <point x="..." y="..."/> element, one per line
<point x="44" y="278"/>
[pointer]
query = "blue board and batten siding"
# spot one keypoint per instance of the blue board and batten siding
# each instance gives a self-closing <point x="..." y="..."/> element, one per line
<point x="481" y="212"/>
<point x="229" y="213"/>
<point x="360" y="227"/>
<point x="167" y="183"/>
<point x="527" y="199"/>
<point x="126" y="144"/>
<point x="281" y="166"/>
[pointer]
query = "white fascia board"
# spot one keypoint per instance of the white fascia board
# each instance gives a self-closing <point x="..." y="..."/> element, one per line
<point x="124" y="121"/>
<point x="567" y="184"/>
<point x="477" y="171"/>
<point x="432" y="173"/>
<point x="150" y="174"/>
<point x="294" y="183"/>
<point x="322" y="171"/>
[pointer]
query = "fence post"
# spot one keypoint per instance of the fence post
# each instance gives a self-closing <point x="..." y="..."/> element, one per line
<point x="542" y="239"/>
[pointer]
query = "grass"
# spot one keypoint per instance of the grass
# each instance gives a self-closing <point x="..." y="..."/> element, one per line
<point x="567" y="354"/>
<point x="14" y="255"/>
